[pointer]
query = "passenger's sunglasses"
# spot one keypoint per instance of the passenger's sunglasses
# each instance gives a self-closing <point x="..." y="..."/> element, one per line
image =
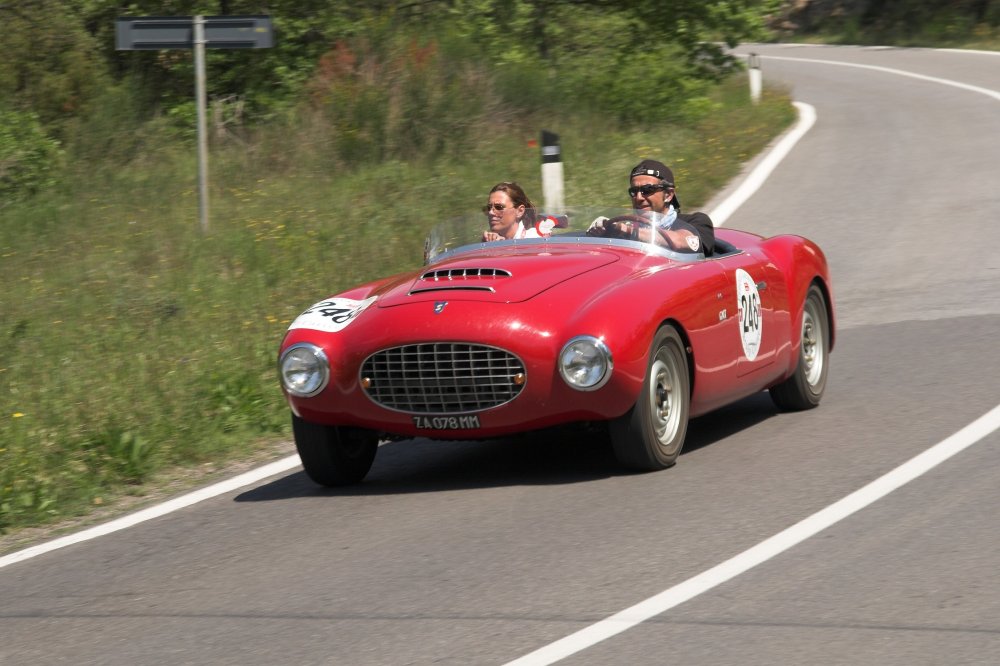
<point x="645" y="190"/>
<point x="498" y="207"/>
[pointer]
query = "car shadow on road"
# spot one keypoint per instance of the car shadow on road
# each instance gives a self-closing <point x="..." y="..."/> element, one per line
<point x="572" y="454"/>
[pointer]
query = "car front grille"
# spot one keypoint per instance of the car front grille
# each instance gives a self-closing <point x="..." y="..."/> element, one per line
<point x="442" y="377"/>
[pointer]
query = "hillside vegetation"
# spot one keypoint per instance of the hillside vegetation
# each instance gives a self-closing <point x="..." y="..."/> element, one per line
<point x="931" y="23"/>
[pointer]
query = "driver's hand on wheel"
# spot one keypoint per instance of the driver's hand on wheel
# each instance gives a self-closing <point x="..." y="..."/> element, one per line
<point x="597" y="227"/>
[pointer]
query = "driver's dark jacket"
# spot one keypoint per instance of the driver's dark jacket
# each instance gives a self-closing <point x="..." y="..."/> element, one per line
<point x="699" y="224"/>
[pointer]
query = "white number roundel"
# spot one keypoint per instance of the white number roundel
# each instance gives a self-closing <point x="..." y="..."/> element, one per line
<point x="748" y="306"/>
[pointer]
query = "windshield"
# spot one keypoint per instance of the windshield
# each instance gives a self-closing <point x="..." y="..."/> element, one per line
<point x="590" y="226"/>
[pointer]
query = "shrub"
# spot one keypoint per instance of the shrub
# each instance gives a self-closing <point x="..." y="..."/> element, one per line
<point x="27" y="155"/>
<point x="397" y="100"/>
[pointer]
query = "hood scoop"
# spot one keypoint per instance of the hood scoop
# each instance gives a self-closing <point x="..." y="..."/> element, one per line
<point x="504" y="278"/>
<point x="459" y="279"/>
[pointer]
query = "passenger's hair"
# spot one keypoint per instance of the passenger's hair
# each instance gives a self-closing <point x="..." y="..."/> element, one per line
<point x="517" y="195"/>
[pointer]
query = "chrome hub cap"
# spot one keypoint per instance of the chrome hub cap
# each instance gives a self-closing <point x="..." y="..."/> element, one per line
<point x="812" y="344"/>
<point x="662" y="398"/>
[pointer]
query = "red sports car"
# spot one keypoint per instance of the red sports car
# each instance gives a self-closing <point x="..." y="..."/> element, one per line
<point x="490" y="339"/>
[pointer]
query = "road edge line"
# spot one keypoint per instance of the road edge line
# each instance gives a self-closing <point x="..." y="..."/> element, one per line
<point x="155" y="511"/>
<point x="760" y="173"/>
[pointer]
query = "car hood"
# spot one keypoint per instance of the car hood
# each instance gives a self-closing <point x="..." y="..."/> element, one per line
<point x="508" y="276"/>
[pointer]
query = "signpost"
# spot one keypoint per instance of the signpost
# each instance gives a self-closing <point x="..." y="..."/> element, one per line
<point x="198" y="32"/>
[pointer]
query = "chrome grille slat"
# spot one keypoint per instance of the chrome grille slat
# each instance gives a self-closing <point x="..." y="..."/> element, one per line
<point x="437" y="287"/>
<point x="442" y="377"/>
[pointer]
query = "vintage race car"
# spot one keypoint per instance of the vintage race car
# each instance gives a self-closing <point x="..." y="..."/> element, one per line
<point x="491" y="339"/>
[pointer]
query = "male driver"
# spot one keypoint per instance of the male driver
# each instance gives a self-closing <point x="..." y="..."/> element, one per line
<point x="653" y="197"/>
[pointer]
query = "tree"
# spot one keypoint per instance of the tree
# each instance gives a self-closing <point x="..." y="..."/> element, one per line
<point x="52" y="67"/>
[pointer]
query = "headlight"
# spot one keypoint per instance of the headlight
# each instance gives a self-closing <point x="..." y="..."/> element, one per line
<point x="585" y="363"/>
<point x="304" y="370"/>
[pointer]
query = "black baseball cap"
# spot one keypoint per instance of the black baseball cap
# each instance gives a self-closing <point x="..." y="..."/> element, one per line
<point x="657" y="170"/>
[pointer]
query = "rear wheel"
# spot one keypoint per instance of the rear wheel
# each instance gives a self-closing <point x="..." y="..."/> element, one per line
<point x="334" y="455"/>
<point x="650" y="435"/>
<point x="804" y="388"/>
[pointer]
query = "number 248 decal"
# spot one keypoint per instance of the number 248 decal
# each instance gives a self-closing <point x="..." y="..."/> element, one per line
<point x="331" y="315"/>
<point x="748" y="304"/>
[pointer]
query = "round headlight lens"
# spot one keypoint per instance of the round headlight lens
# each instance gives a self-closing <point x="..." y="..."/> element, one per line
<point x="585" y="363"/>
<point x="304" y="370"/>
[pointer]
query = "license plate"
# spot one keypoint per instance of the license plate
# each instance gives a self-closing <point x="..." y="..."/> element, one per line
<point x="446" y="422"/>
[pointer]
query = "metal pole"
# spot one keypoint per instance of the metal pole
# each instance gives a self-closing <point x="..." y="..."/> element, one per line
<point x="199" y="69"/>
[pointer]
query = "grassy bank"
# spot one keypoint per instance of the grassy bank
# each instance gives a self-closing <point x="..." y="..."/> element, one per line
<point x="135" y="347"/>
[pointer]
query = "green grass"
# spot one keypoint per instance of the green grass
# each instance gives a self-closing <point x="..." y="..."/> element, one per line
<point x="134" y="347"/>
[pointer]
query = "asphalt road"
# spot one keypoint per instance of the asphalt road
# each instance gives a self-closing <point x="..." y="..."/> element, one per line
<point x="456" y="553"/>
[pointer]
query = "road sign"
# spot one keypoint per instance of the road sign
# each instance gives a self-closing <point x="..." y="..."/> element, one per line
<point x="145" y="33"/>
<point x="136" y="33"/>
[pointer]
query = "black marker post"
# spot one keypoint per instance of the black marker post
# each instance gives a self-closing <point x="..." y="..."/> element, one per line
<point x="552" y="173"/>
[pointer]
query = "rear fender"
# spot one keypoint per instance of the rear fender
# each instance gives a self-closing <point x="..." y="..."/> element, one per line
<point x="803" y="264"/>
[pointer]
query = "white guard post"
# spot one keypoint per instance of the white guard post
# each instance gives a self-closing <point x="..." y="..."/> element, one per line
<point x="755" y="77"/>
<point x="552" y="174"/>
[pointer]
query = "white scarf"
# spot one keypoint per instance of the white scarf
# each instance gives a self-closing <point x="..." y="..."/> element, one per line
<point x="666" y="220"/>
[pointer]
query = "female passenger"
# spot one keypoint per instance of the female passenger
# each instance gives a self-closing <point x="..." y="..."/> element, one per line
<point x="510" y="213"/>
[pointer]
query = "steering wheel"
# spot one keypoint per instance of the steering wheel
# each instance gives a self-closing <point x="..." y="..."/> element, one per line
<point x="635" y="220"/>
<point x="639" y="221"/>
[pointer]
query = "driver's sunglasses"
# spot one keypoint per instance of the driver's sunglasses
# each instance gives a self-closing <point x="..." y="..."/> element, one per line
<point x="498" y="207"/>
<point x="645" y="190"/>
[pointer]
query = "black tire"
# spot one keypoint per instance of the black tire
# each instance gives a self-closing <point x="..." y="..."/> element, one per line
<point x="804" y="389"/>
<point x="650" y="436"/>
<point x="332" y="455"/>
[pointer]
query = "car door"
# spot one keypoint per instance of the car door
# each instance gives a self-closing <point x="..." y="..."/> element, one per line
<point x="754" y="297"/>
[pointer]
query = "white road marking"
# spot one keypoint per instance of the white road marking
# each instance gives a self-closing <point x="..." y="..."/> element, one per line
<point x="765" y="550"/>
<point x="245" y="479"/>
<point x="899" y="72"/>
<point x="807" y="116"/>
<point x="859" y="499"/>
<point x="970" y="51"/>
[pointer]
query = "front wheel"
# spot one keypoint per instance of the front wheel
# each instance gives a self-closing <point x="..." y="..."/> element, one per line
<point x="334" y="455"/>
<point x="805" y="387"/>
<point x="649" y="436"/>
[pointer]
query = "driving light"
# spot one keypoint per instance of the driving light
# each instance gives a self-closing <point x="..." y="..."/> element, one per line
<point x="585" y="363"/>
<point x="304" y="370"/>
